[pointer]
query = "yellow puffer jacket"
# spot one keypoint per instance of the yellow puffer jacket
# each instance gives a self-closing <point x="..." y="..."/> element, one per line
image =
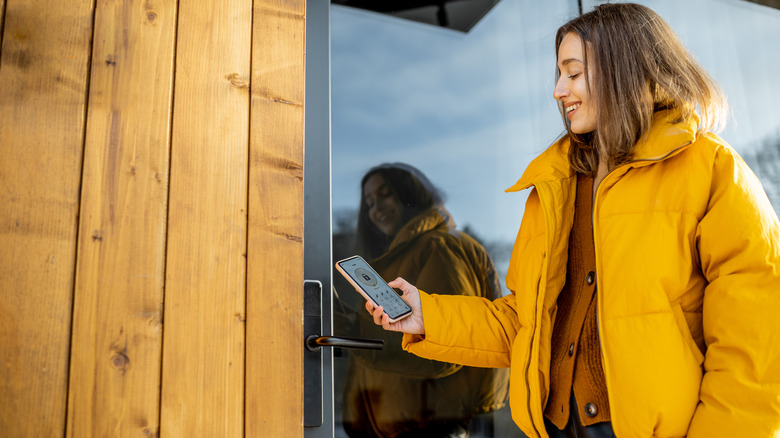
<point x="688" y="275"/>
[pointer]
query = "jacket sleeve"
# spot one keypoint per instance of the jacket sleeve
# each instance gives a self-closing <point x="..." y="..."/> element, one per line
<point x="472" y="331"/>
<point x="475" y="331"/>
<point x="738" y="241"/>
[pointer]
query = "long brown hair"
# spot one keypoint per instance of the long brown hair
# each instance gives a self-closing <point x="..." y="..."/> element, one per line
<point x="640" y="66"/>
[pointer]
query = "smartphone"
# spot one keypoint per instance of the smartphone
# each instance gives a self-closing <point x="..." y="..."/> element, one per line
<point x="366" y="281"/>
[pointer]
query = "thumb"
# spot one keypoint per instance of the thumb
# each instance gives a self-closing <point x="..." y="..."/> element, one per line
<point x="400" y="283"/>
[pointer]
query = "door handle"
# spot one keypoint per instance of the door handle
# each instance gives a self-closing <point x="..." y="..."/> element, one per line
<point x="312" y="357"/>
<point x="314" y="342"/>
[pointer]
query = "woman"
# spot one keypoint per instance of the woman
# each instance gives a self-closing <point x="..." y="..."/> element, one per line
<point x="404" y="230"/>
<point x="645" y="277"/>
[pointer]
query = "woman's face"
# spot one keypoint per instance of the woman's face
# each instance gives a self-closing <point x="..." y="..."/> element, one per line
<point x="384" y="208"/>
<point x="572" y="86"/>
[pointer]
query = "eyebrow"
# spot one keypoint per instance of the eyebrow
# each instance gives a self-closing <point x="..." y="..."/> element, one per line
<point x="570" y="60"/>
<point x="384" y="184"/>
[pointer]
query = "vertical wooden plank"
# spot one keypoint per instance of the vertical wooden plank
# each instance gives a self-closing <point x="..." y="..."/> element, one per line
<point x="43" y="80"/>
<point x="203" y="342"/>
<point x="275" y="249"/>
<point x="117" y="328"/>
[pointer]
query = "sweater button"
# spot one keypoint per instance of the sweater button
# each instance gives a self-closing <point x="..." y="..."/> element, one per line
<point x="590" y="410"/>
<point x="591" y="277"/>
<point x="571" y="350"/>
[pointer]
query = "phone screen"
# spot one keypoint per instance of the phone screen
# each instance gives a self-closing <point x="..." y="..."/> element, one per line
<point x="373" y="287"/>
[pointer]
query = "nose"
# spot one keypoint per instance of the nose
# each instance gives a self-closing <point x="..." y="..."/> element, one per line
<point x="561" y="91"/>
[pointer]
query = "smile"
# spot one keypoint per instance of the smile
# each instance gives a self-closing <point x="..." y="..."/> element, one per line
<point x="571" y="108"/>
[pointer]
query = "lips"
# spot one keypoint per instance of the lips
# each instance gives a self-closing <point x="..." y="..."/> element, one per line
<point x="571" y="108"/>
<point x="386" y="222"/>
<point x="385" y="219"/>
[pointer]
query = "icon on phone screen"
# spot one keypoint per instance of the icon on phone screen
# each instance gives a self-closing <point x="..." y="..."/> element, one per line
<point x="365" y="277"/>
<point x="366" y="281"/>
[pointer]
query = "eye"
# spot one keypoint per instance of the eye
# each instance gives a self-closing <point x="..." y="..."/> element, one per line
<point x="384" y="194"/>
<point x="574" y="76"/>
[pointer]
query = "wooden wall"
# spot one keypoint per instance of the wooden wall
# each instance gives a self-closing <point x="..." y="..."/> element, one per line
<point x="151" y="218"/>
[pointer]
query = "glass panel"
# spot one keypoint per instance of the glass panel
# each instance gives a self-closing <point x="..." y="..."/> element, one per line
<point x="469" y="111"/>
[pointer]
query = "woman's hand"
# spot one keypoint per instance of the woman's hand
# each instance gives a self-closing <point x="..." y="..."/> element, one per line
<point x="412" y="324"/>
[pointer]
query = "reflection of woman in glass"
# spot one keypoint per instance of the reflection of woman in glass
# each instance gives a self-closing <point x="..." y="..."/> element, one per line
<point x="646" y="272"/>
<point x="404" y="230"/>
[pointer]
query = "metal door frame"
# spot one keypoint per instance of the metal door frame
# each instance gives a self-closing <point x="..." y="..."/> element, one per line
<point x="317" y="196"/>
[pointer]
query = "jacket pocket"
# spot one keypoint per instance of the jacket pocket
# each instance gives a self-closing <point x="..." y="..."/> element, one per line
<point x="685" y="332"/>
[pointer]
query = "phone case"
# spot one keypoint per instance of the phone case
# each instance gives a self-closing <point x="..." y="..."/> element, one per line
<point x="370" y="274"/>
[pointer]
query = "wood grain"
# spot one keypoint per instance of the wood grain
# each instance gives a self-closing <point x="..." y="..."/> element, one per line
<point x="274" y="376"/>
<point x="43" y="82"/>
<point x="117" y="327"/>
<point x="204" y="338"/>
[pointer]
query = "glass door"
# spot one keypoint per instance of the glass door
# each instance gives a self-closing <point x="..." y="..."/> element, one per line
<point x="463" y="111"/>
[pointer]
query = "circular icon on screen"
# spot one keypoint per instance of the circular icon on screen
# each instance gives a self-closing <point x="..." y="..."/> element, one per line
<point x="365" y="276"/>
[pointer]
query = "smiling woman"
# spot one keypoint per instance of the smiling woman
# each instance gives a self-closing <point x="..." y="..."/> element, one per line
<point x="392" y="195"/>
<point x="384" y="208"/>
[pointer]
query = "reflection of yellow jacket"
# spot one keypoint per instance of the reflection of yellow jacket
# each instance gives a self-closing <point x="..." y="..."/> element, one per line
<point x="401" y="391"/>
<point x="688" y="275"/>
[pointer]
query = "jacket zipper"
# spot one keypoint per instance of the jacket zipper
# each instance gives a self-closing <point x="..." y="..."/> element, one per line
<point x="596" y="252"/>
<point x="528" y="366"/>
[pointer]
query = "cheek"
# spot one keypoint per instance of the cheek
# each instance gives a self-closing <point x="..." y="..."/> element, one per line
<point x="399" y="209"/>
<point x="388" y="203"/>
<point x="582" y="91"/>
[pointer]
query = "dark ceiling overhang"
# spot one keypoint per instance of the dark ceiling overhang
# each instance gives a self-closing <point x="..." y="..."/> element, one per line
<point x="459" y="15"/>
<point x="770" y="3"/>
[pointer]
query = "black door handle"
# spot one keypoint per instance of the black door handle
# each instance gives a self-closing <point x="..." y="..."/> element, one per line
<point x="314" y="342"/>
<point x="312" y="356"/>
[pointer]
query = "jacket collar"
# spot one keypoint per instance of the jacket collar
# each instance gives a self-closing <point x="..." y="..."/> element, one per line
<point x="664" y="139"/>
<point x="430" y="219"/>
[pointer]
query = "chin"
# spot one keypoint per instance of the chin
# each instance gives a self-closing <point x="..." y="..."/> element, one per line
<point x="386" y="231"/>
<point x="582" y="131"/>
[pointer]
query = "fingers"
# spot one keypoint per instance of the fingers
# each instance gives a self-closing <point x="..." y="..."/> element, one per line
<point x="410" y="295"/>
<point x="399" y="283"/>
<point x="376" y="312"/>
<point x="406" y="287"/>
<point x="378" y="315"/>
